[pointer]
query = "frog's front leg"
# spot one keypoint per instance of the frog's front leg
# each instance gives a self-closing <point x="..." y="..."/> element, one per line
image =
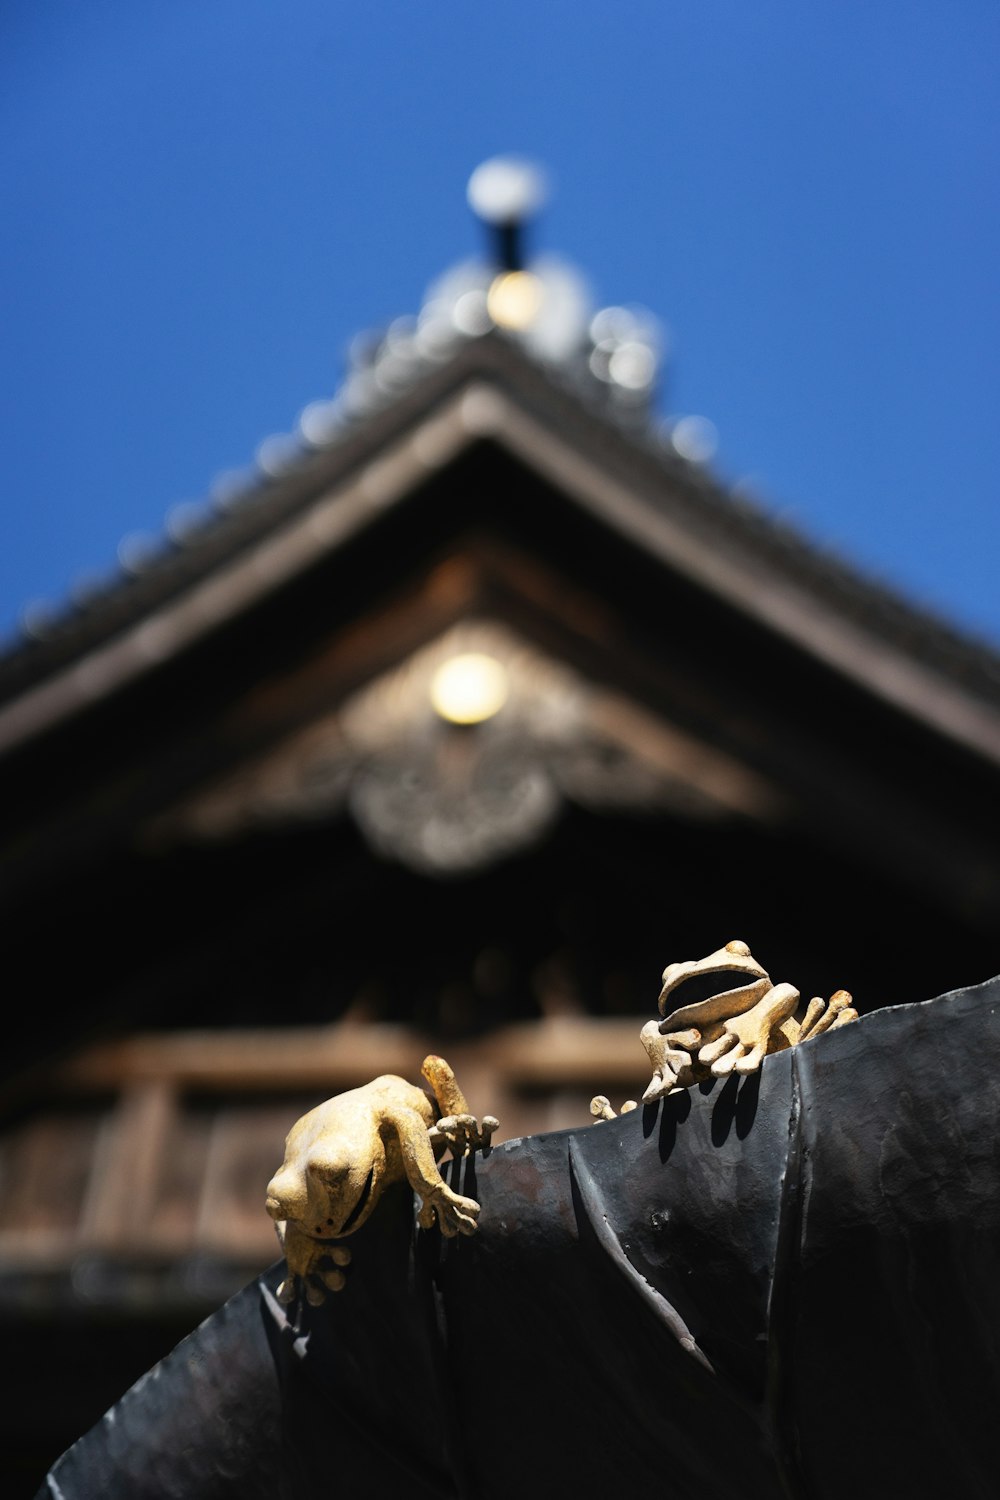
<point x="453" y="1213"/>
<point x="743" y="1041"/>
<point x="304" y="1257"/>
<point x="671" y="1056"/>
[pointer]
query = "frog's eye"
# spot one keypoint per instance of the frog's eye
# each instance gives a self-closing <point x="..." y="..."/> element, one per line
<point x="740" y="949"/>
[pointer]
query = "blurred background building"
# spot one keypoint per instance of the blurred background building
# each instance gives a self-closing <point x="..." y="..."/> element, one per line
<point x="478" y="701"/>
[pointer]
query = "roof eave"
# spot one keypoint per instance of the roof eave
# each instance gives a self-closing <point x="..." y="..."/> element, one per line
<point x="481" y="395"/>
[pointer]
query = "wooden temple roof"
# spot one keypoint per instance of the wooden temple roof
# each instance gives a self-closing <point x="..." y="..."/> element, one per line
<point x="608" y="463"/>
<point x="228" y="908"/>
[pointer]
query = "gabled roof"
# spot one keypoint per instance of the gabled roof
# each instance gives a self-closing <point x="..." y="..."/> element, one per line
<point x="611" y="468"/>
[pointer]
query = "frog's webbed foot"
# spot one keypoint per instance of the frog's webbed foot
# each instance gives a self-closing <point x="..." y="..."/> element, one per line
<point x="329" y="1277"/>
<point x="332" y="1278"/>
<point x="464" y="1133"/>
<point x="600" y="1107"/>
<point x="452" y="1213"/>
<point x="827" y="1015"/>
<point x="309" y="1267"/>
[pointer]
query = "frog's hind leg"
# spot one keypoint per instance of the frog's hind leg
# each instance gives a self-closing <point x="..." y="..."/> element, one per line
<point x="444" y="1086"/>
<point x="456" y="1125"/>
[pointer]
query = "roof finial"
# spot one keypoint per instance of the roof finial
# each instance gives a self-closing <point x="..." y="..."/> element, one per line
<point x="504" y="192"/>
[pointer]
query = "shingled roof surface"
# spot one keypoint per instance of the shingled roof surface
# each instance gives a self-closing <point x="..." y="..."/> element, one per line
<point x="627" y="446"/>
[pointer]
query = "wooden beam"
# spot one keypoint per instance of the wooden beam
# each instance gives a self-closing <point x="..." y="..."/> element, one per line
<point x="551" y="1053"/>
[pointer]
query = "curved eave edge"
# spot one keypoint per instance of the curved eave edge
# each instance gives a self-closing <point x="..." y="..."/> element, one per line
<point x="480" y="410"/>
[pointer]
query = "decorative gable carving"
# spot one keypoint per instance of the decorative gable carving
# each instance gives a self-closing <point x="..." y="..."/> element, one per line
<point x="448" y="797"/>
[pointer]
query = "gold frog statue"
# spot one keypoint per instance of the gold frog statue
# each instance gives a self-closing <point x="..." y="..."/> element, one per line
<point x="341" y="1156"/>
<point x="731" y="1017"/>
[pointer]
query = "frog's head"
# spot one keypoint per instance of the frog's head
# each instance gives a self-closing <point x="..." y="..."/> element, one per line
<point x="725" y="983"/>
<point x="327" y="1186"/>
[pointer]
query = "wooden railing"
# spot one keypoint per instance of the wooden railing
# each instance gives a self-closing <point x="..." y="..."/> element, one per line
<point x="158" y="1147"/>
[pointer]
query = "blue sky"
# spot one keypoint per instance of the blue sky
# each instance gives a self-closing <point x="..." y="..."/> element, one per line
<point x="206" y="199"/>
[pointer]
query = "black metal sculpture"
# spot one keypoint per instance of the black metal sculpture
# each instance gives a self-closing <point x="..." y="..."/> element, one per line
<point x="782" y="1285"/>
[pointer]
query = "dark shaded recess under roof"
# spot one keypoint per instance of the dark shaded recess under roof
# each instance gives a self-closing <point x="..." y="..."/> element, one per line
<point x="302" y="926"/>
